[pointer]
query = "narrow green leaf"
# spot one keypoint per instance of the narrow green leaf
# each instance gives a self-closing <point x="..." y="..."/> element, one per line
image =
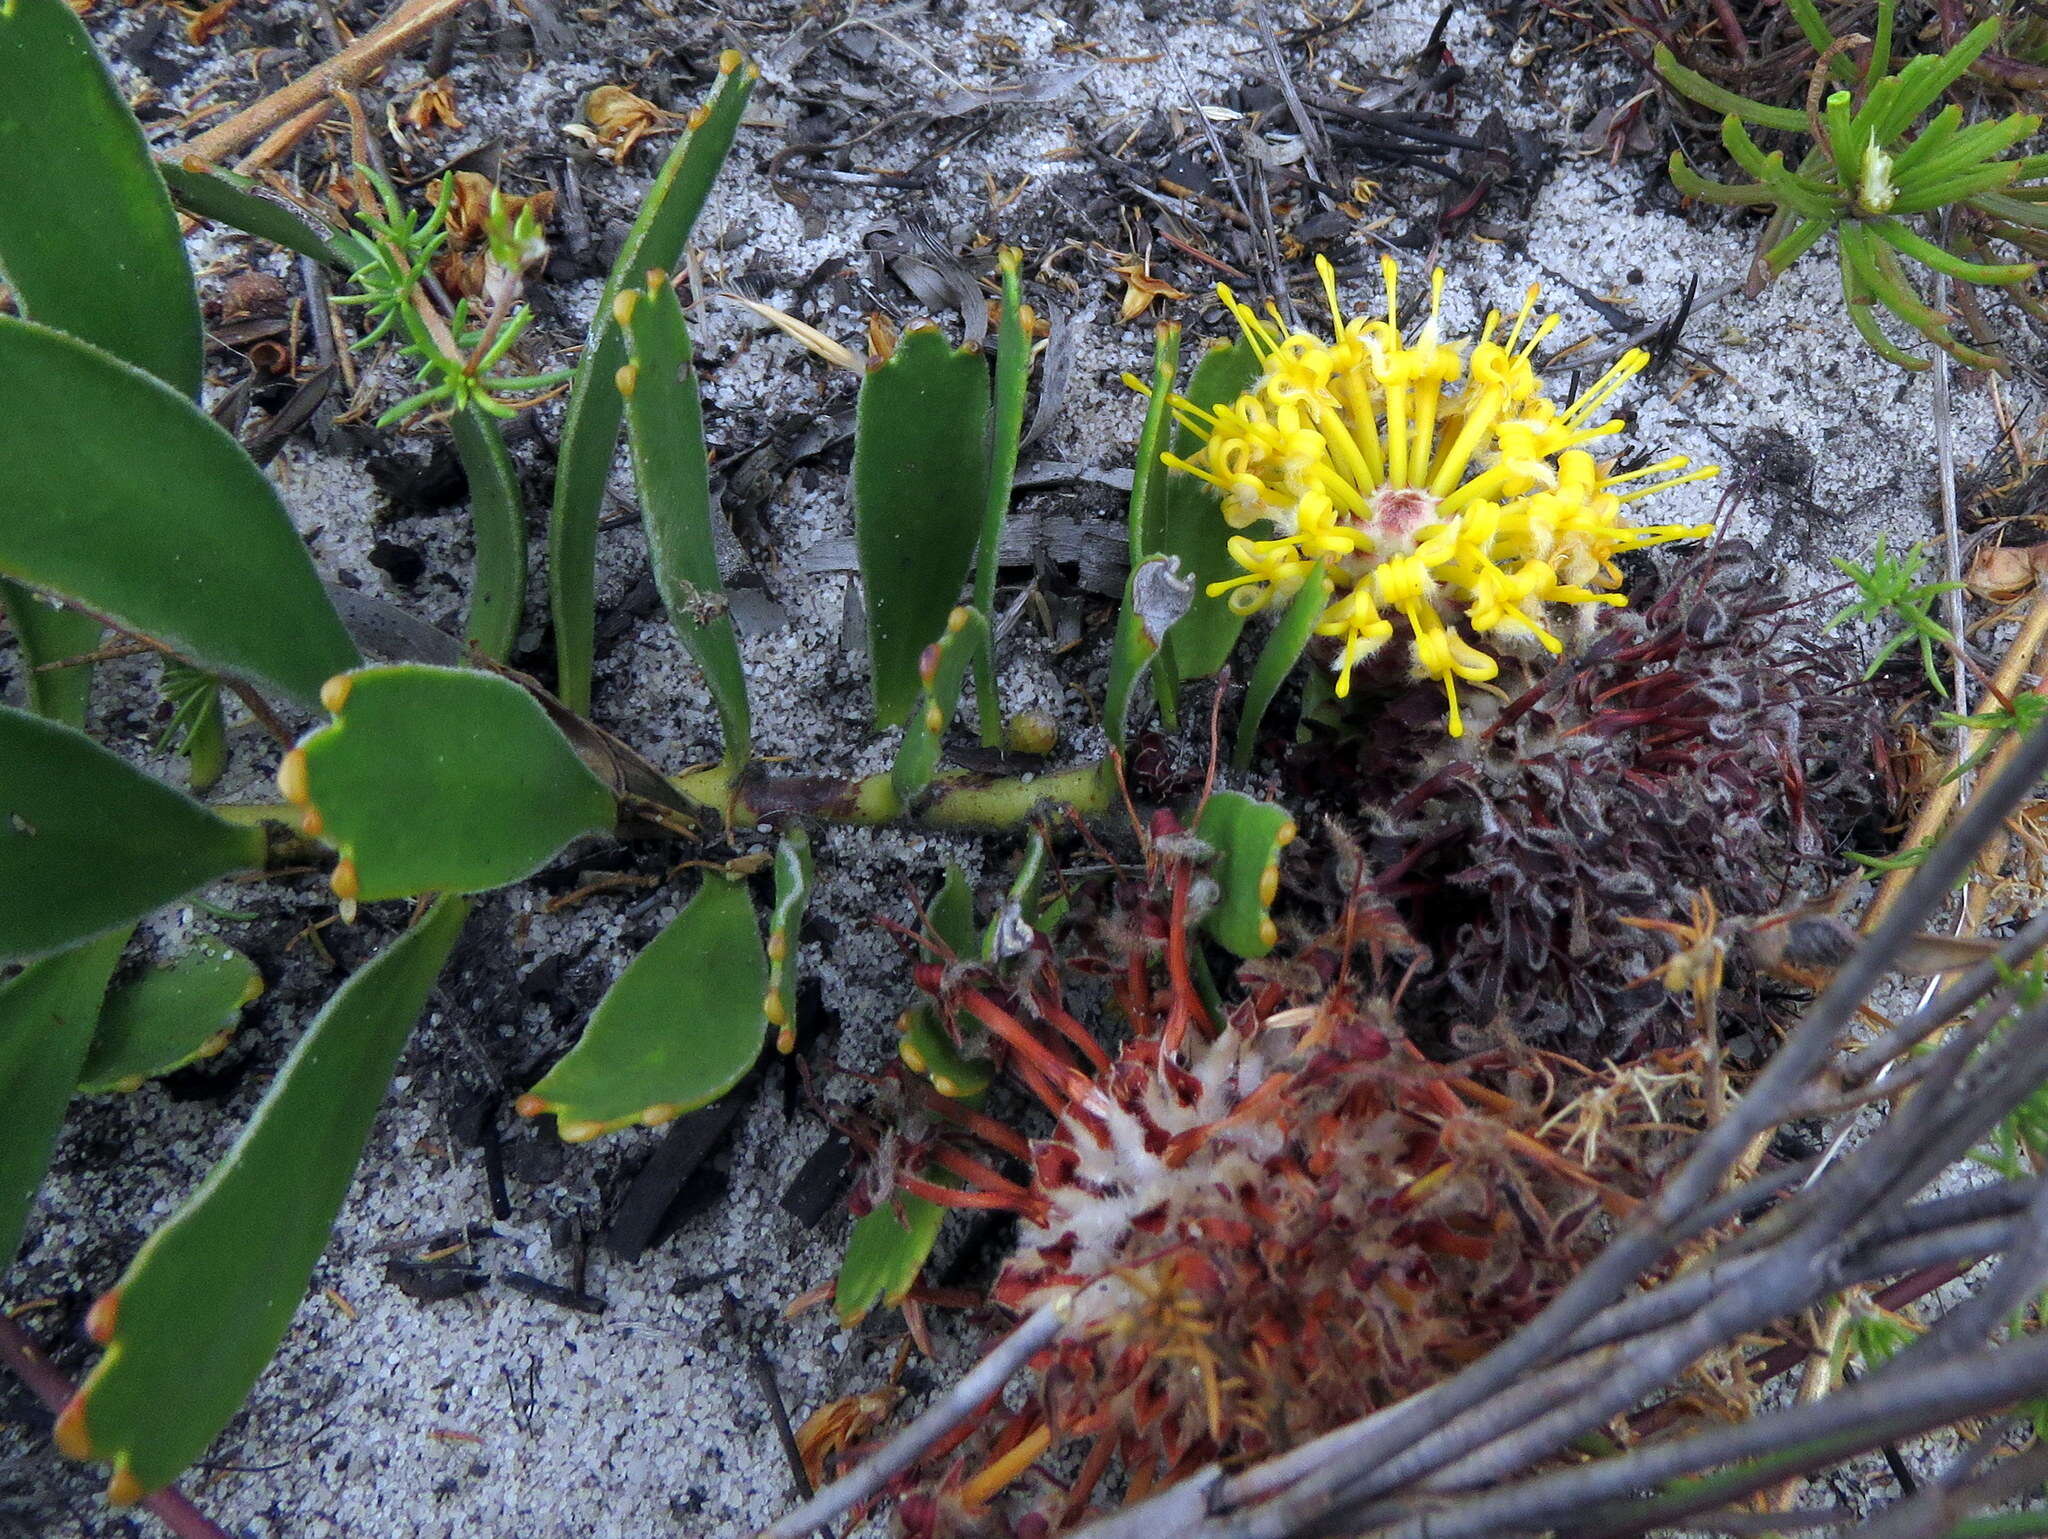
<point x="497" y="518"/>
<point x="1005" y="430"/>
<point x="1860" y="300"/>
<point x="1901" y="238"/>
<point x="1194" y="528"/>
<point x="1796" y="245"/>
<point x="1156" y="597"/>
<point x="951" y="913"/>
<point x="793" y="876"/>
<point x="1916" y="95"/>
<point x="680" y="1027"/>
<point x="1023" y="904"/>
<point x="665" y="426"/>
<point x="88" y="238"/>
<point x="235" y="201"/>
<point x="47" y="1013"/>
<point x="926" y="1049"/>
<point x="87" y="841"/>
<point x="920" y="468"/>
<point x="1288" y="639"/>
<point x="440" y="780"/>
<point x="590" y="430"/>
<point x="940" y="672"/>
<point x="1717" y="99"/>
<point x="1935" y="137"/>
<point x="170" y="1016"/>
<point x="1147" y="515"/>
<point x="202" y="1308"/>
<point x="884" y="1254"/>
<point x="127" y="498"/>
<point x="1248" y="837"/>
<point x="1707" y="190"/>
<point x="47" y="633"/>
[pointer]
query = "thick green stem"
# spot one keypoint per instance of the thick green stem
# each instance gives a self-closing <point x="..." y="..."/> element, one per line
<point x="959" y="799"/>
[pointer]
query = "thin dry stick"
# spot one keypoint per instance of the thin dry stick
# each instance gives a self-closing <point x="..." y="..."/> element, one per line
<point x="1040" y="1328"/>
<point x="412" y="21"/>
<point x="19" y="1352"/>
<point x="281" y="141"/>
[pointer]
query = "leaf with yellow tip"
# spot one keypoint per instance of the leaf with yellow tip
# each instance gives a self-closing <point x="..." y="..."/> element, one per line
<point x="941" y="669"/>
<point x="679" y="1028"/>
<point x="170" y="1016"/>
<point x="920" y="469"/>
<point x="884" y="1254"/>
<point x="1248" y="837"/>
<point x="793" y="877"/>
<point x="439" y="780"/>
<point x="926" y="1049"/>
<point x="199" y="1312"/>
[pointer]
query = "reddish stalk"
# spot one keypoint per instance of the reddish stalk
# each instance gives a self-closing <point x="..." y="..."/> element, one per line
<point x="1071" y="1083"/>
<point x="20" y="1353"/>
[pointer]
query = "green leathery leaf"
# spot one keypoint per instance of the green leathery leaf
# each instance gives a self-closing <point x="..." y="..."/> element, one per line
<point x="47" y="1014"/>
<point x="665" y="427"/>
<point x="1147" y="510"/>
<point x="920" y="469"/>
<point x="170" y="1016"/>
<point x="1156" y="597"/>
<point x="497" y="517"/>
<point x="679" y="1028"/>
<point x="49" y="633"/>
<point x="1005" y="430"/>
<point x="225" y="198"/>
<point x="1248" y="837"/>
<point x="951" y="913"/>
<point x="1193" y="527"/>
<point x="940" y="672"/>
<point x="87" y="841"/>
<point x="88" y="238"/>
<point x="590" y="429"/>
<point x="926" y="1049"/>
<point x="884" y="1254"/>
<point x="202" y="1308"/>
<point x="127" y="498"/>
<point x="440" y="780"/>
<point x="1284" y="645"/>
<point x="793" y="877"/>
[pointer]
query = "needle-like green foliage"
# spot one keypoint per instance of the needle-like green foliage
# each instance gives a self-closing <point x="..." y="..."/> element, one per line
<point x="1890" y="589"/>
<point x="1871" y="168"/>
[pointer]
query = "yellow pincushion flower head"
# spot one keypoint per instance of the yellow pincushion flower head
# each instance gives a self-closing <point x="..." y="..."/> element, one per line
<point x="1445" y="496"/>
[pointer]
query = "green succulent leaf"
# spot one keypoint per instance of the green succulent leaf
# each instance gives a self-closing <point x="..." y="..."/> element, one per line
<point x="170" y="1016"/>
<point x="225" y="198"/>
<point x="127" y="498"/>
<point x="1006" y="430"/>
<point x="926" y="1049"/>
<point x="1707" y="190"/>
<point x="680" y="1027"/>
<point x="201" y="1309"/>
<point x="1248" y="837"/>
<point x="920" y="468"/>
<point x="47" y="1014"/>
<point x="1718" y="99"/>
<point x="887" y="1249"/>
<point x="590" y="430"/>
<point x="88" y="238"/>
<point x="497" y="516"/>
<point x="665" y="426"/>
<point x="440" y="780"/>
<point x="47" y="633"/>
<point x="940" y="672"/>
<point x="1023" y="903"/>
<point x="1193" y="528"/>
<point x="951" y="913"/>
<point x="1284" y="646"/>
<point x="87" y="841"/>
<point x="1147" y="516"/>
<point x="793" y="878"/>
<point x="1157" y="596"/>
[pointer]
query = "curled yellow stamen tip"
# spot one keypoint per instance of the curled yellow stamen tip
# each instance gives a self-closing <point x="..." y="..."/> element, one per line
<point x="335" y="692"/>
<point x="987" y="1485"/>
<point x="292" y="780"/>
